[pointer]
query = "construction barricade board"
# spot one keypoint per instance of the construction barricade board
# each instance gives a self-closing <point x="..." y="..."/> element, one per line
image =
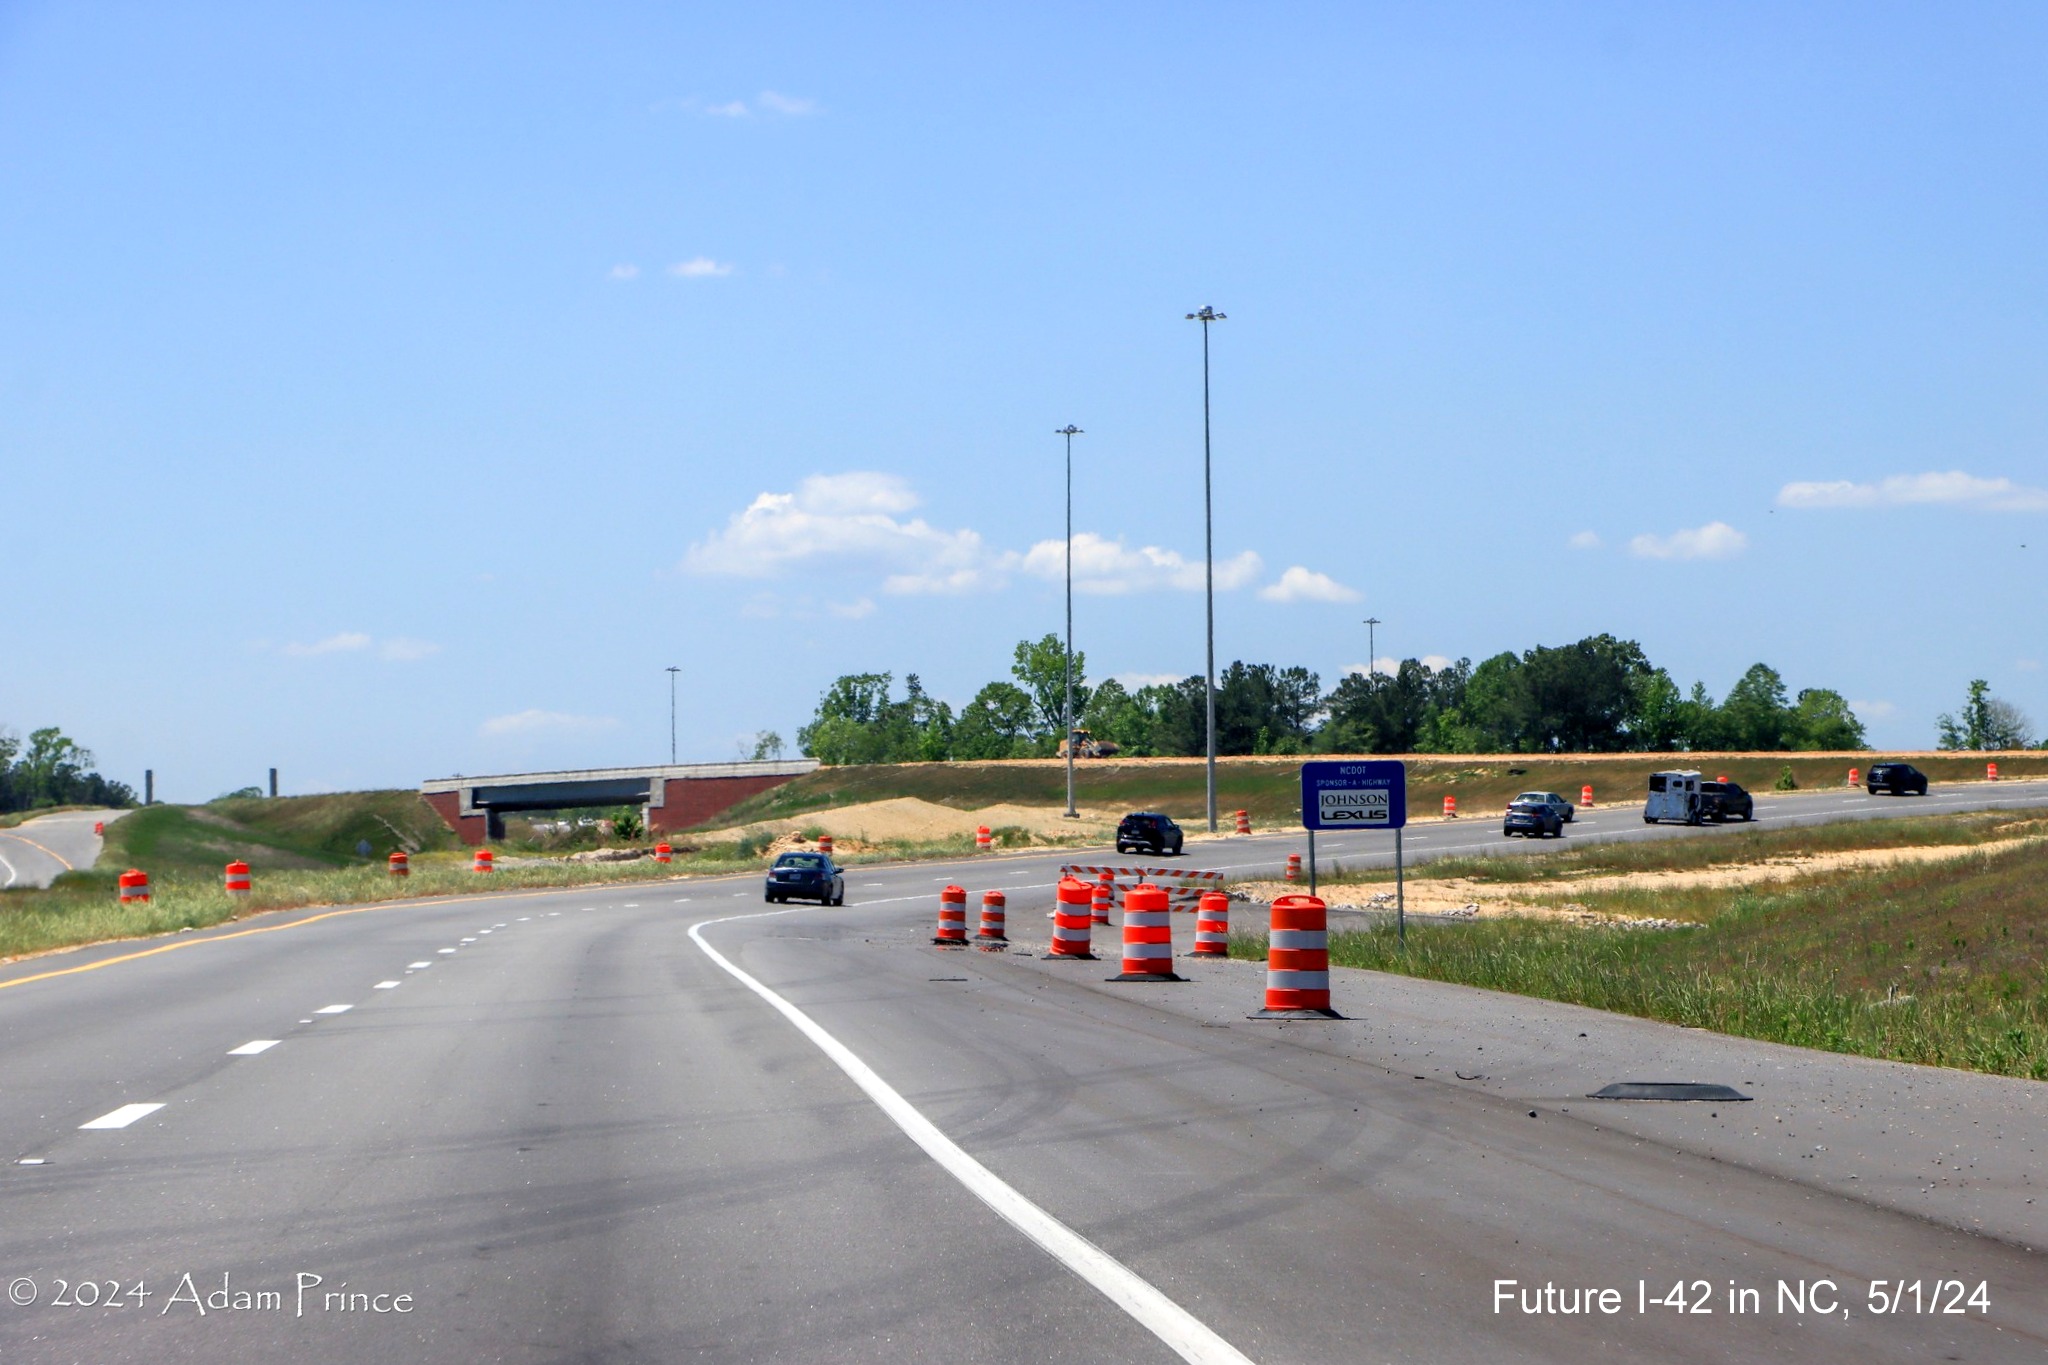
<point x="1183" y="886"/>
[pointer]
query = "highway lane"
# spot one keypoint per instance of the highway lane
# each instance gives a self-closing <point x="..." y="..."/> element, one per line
<point x="35" y="852"/>
<point x="574" y="1136"/>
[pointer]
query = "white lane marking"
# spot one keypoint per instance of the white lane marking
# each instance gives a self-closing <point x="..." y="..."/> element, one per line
<point x="385" y="986"/>
<point x="122" y="1117"/>
<point x="444" y="951"/>
<point x="497" y="926"/>
<point x="469" y="940"/>
<point x="10" y="872"/>
<point x="334" y="1009"/>
<point x="480" y="931"/>
<point x="252" y="1047"/>
<point x="417" y="966"/>
<point x="524" y="918"/>
<point x="1181" y="1331"/>
<point x="30" y="1161"/>
<point x="553" y="913"/>
<point x="682" y="900"/>
<point x="630" y="905"/>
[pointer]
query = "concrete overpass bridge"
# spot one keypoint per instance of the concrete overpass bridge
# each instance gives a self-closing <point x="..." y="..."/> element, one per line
<point x="670" y="796"/>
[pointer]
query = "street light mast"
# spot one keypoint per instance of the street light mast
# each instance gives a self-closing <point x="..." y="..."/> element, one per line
<point x="1070" y="431"/>
<point x="1205" y="317"/>
<point x="672" y="671"/>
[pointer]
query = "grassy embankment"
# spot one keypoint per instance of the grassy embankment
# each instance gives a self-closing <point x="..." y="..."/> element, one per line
<point x="1270" y="788"/>
<point x="302" y="852"/>
<point x="1937" y="962"/>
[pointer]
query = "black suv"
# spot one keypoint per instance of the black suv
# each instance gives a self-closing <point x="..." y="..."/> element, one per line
<point x="1900" y="779"/>
<point x="1147" y="831"/>
<point x="1726" y="801"/>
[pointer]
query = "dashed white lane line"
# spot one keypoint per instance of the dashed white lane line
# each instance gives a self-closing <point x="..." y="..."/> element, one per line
<point x="417" y="966"/>
<point x="524" y="918"/>
<point x="469" y="940"/>
<point x="480" y="932"/>
<point x="122" y="1117"/>
<point x="630" y="905"/>
<point x="334" y="1009"/>
<point x="1181" y="1331"/>
<point x="252" y="1047"/>
<point x="385" y="986"/>
<point x="444" y="951"/>
<point x="497" y="926"/>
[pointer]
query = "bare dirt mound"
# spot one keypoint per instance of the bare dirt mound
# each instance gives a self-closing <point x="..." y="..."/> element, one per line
<point x="910" y="819"/>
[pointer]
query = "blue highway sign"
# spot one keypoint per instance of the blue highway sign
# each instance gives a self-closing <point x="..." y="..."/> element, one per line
<point x="1367" y="794"/>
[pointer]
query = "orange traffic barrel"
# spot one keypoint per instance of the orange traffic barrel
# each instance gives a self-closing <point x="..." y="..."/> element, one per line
<point x="1212" y="925"/>
<point x="1072" y="913"/>
<point x="1294" y="867"/>
<point x="1298" y="960"/>
<point x="663" y="853"/>
<point x="237" y="878"/>
<point x="825" y="844"/>
<point x="483" y="861"/>
<point x="992" y="916"/>
<point x="952" y="917"/>
<point x="401" y="866"/>
<point x="1853" y="777"/>
<point x="1100" y="898"/>
<point x="1450" y="808"/>
<point x="99" y="827"/>
<point x="134" y="886"/>
<point x="1990" y="772"/>
<point x="1586" y="796"/>
<point x="1244" y="822"/>
<point x="1148" y="935"/>
<point x="983" y="842"/>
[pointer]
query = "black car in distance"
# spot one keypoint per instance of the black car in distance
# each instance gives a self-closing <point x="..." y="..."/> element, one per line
<point x="1727" y="801"/>
<point x="1900" y="779"/>
<point x="806" y="876"/>
<point x="1147" y="831"/>
<point x="1538" y="818"/>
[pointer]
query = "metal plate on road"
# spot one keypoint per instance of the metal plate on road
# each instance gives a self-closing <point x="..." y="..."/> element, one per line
<point x="1368" y="794"/>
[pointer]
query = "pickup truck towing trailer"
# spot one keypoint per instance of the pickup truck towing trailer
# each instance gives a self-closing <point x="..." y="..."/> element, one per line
<point x="1675" y="796"/>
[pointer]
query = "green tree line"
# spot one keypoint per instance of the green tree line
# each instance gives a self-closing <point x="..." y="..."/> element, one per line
<point x="1597" y="695"/>
<point x="53" y="771"/>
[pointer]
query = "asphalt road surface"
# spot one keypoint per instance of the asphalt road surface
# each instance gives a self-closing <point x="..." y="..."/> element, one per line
<point x="667" y="1122"/>
<point x="36" y="851"/>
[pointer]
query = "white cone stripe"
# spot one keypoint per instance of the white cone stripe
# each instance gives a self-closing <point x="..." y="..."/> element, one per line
<point x="1300" y="940"/>
<point x="1071" y="935"/>
<point x="1297" y="981"/>
<point x="1147" y="919"/>
<point x="1148" y="950"/>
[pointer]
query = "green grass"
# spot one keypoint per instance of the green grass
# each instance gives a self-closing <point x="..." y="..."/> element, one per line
<point x="1270" y="788"/>
<point x="1944" y="964"/>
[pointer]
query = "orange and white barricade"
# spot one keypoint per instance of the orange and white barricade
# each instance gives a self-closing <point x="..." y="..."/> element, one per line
<point x="1148" y="935"/>
<point x="484" y="862"/>
<point x="1990" y="772"/>
<point x="825" y="844"/>
<point x="1586" y="796"/>
<point x="134" y="886"/>
<point x="1072" y="914"/>
<point x="1244" y="822"/>
<point x="952" y="931"/>
<point x="1298" y="960"/>
<point x="983" y="840"/>
<point x="1450" y="808"/>
<point x="1854" y="778"/>
<point x="664" y="853"/>
<point x="993" y="914"/>
<point x="237" y="878"/>
<point x="1294" y="867"/>
<point x="401" y="866"/>
<point x="1212" y="926"/>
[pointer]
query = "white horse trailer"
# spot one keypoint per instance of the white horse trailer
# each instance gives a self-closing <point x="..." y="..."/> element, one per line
<point x="1675" y="796"/>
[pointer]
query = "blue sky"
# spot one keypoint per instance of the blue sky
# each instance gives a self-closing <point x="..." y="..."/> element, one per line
<point x="395" y="391"/>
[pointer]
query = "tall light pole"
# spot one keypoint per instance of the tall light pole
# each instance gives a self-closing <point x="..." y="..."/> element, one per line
<point x="1372" y="659"/>
<point x="672" y="671"/>
<point x="1205" y="317"/>
<point x="1070" y="431"/>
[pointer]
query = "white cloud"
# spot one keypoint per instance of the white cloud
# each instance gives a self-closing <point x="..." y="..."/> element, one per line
<point x="535" y="720"/>
<point x="1105" y="566"/>
<point x="2028" y="665"/>
<point x="1953" y="488"/>
<point x="1873" y="710"/>
<point x="852" y="611"/>
<point x="625" y="270"/>
<point x="793" y="106"/>
<point x="1715" y="540"/>
<point x="401" y="649"/>
<point x="1298" y="584"/>
<point x="854" y="517"/>
<point x="735" y="109"/>
<point x="1134" y="681"/>
<point x="1387" y="665"/>
<point x="348" y="642"/>
<point x="700" y="268"/>
<point x="1585" y="540"/>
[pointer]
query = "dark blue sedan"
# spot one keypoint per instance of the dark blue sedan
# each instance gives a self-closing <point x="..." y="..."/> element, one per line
<point x="808" y="877"/>
<point x="1527" y="818"/>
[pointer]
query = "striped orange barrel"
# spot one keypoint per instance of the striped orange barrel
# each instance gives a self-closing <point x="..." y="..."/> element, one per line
<point x="1298" y="956"/>
<point x="1100" y="898"/>
<point x="1072" y="914"/>
<point x="983" y="840"/>
<point x="1990" y="772"/>
<point x="664" y="853"/>
<point x="484" y="861"/>
<point x="1212" y="925"/>
<point x="237" y="878"/>
<point x="401" y="866"/>
<point x="825" y="844"/>
<point x="1450" y="808"/>
<point x="1853" y="777"/>
<point x="134" y="885"/>
<point x="1148" y="935"/>
<point x="1244" y="822"/>
<point x="1586" y="797"/>
<point x="952" y="917"/>
<point x="992" y="917"/>
<point x="1294" y="867"/>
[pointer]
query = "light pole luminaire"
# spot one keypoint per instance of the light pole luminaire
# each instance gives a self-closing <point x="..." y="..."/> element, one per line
<point x="1205" y="317"/>
<point x="672" y="671"/>
<point x="1070" y="431"/>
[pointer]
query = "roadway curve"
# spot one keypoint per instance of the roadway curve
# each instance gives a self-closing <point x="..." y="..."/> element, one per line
<point x="568" y="1131"/>
<point x="35" y="852"/>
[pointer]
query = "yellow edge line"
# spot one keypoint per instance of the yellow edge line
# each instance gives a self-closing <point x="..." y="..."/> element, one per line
<point x="10" y="834"/>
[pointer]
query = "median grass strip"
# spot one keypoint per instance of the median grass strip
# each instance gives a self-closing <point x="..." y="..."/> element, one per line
<point x="1942" y="962"/>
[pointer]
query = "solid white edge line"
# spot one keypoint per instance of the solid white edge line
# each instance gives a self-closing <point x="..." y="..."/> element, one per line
<point x="252" y="1047"/>
<point x="385" y="986"/>
<point x="1185" y="1334"/>
<point x="122" y="1117"/>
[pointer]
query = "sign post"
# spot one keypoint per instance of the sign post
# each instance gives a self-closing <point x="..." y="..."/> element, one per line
<point x="1363" y="794"/>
